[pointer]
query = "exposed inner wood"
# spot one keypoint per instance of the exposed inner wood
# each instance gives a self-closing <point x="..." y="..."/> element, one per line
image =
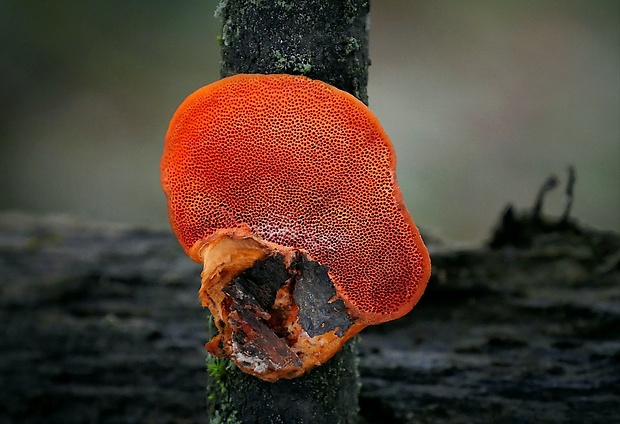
<point x="277" y="311"/>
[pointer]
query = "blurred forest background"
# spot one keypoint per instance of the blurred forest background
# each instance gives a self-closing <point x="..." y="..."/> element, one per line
<point x="482" y="100"/>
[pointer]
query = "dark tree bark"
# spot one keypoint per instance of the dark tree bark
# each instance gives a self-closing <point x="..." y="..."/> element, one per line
<point x="325" y="40"/>
<point x="102" y="324"/>
<point x="322" y="39"/>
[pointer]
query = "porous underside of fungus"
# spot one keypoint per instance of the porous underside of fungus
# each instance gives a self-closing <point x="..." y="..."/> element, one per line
<point x="290" y="173"/>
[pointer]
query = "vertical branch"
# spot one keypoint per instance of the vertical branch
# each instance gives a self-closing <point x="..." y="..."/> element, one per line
<point x="322" y="39"/>
<point x="325" y="40"/>
<point x="569" y="194"/>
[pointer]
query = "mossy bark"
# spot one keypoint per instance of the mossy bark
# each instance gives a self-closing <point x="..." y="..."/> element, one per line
<point x="323" y="40"/>
<point x="328" y="394"/>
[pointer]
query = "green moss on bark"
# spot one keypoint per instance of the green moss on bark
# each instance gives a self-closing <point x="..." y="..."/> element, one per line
<point x="327" y="394"/>
<point x="321" y="39"/>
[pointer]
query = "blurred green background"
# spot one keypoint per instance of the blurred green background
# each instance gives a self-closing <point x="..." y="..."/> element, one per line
<point x="482" y="100"/>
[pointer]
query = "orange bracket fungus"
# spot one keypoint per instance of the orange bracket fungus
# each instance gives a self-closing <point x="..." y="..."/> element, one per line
<point x="284" y="188"/>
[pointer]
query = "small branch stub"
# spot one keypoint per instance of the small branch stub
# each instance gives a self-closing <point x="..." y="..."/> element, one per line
<point x="520" y="229"/>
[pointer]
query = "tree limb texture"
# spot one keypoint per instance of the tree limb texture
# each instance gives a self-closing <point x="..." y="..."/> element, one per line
<point x="321" y="39"/>
<point x="325" y="40"/>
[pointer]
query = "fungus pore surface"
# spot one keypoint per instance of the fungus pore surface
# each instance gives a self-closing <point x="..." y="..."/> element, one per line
<point x="303" y="165"/>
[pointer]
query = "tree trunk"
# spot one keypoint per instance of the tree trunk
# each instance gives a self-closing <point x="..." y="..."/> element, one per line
<point x="325" y="40"/>
<point x="321" y="39"/>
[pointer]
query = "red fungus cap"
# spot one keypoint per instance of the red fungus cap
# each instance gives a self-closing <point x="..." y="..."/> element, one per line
<point x="304" y="165"/>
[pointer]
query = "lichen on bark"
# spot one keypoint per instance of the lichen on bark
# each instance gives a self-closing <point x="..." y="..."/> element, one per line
<point x="325" y="40"/>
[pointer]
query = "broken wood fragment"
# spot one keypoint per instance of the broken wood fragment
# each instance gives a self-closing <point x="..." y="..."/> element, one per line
<point x="519" y="229"/>
<point x="277" y="312"/>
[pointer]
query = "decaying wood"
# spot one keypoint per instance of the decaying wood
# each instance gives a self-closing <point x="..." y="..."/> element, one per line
<point x="276" y="311"/>
<point x="102" y="324"/>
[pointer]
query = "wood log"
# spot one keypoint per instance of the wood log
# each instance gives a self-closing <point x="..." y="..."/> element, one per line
<point x="101" y="323"/>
